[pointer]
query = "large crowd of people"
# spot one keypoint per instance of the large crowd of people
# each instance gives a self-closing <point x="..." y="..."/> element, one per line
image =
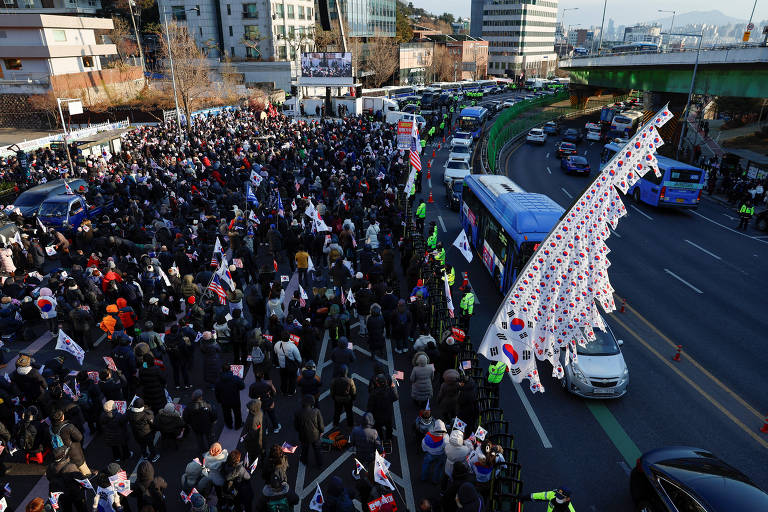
<point x="182" y="269"/>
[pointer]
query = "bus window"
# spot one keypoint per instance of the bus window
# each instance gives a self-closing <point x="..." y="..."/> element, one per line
<point x="684" y="176"/>
<point x="606" y="155"/>
<point x="651" y="177"/>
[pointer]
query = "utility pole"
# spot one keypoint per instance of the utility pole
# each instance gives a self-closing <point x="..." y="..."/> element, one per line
<point x="602" y="24"/>
<point x="690" y="91"/>
<point x="59" y="101"/>
<point x="138" y="38"/>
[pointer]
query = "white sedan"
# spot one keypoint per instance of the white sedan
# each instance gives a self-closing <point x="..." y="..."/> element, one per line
<point x="455" y="170"/>
<point x="536" y="135"/>
<point x="460" y="153"/>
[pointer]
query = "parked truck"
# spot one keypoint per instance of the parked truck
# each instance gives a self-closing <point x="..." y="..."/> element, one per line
<point x="373" y="104"/>
<point x="69" y="211"/>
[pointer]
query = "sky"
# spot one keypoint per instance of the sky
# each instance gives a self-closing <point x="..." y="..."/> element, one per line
<point x="590" y="11"/>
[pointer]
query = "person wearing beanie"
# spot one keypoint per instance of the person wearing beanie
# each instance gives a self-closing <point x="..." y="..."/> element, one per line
<point x="308" y="422"/>
<point x="169" y="423"/>
<point x="61" y="475"/>
<point x="201" y="418"/>
<point x="142" y="422"/>
<point x="468" y="499"/>
<point x="275" y="490"/>
<point x="152" y="383"/>
<point x="28" y="380"/>
<point x="114" y="427"/>
<point x="72" y="439"/>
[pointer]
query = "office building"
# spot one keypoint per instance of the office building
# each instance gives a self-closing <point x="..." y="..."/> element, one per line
<point x="520" y="35"/>
<point x="366" y="18"/>
<point x="643" y="34"/>
<point x="69" y="7"/>
<point x="247" y="29"/>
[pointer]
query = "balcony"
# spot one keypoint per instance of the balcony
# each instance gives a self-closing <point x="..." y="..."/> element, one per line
<point x="250" y="15"/>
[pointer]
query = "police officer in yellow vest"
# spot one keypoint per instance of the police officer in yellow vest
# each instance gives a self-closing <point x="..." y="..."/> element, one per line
<point x="467" y="306"/>
<point x="421" y="213"/>
<point x="432" y="240"/>
<point x="559" y="499"/>
<point x="496" y="372"/>
<point x="440" y="256"/>
<point x="450" y="274"/>
<point x="746" y="212"/>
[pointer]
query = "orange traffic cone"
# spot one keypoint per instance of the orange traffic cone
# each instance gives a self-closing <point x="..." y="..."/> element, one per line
<point x="430" y="200"/>
<point x="439" y="145"/>
<point x="764" y="428"/>
<point x="443" y="139"/>
<point x="429" y="164"/>
<point x="677" y="355"/>
<point x="433" y="153"/>
<point x="623" y="305"/>
<point x="429" y="170"/>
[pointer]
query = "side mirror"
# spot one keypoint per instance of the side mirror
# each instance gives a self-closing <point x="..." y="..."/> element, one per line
<point x="620" y="342"/>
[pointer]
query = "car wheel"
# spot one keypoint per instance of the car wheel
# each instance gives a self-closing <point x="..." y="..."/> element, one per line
<point x="762" y="223"/>
<point x="644" y="506"/>
<point x="636" y="195"/>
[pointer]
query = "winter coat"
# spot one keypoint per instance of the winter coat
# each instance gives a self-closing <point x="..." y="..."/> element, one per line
<point x="228" y="389"/>
<point x="31" y="385"/>
<point x="366" y="440"/>
<point x="169" y="423"/>
<point x="285" y="349"/>
<point x="114" y="426"/>
<point x="152" y="382"/>
<point x="6" y="260"/>
<point x="200" y="416"/>
<point x="376" y="332"/>
<point x="456" y="450"/>
<point x="380" y="403"/>
<point x="212" y="361"/>
<point x="253" y="430"/>
<point x="141" y="420"/>
<point x="337" y="498"/>
<point x="448" y="396"/>
<point x="72" y="438"/>
<point x="343" y="388"/>
<point x="308" y="382"/>
<point x="308" y="422"/>
<point x="188" y="286"/>
<point x="421" y="378"/>
<point x="268" y="495"/>
<point x="212" y="466"/>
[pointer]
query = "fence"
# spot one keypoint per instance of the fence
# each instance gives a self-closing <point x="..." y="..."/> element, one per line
<point x="510" y="125"/>
<point x="31" y="145"/>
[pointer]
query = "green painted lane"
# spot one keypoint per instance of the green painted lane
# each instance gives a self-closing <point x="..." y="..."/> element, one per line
<point x="615" y="432"/>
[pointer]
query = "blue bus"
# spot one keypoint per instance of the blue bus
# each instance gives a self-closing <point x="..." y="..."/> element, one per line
<point x="505" y="224"/>
<point x="679" y="186"/>
<point x="472" y="119"/>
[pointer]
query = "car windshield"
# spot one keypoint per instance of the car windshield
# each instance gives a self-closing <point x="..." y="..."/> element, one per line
<point x="53" y="209"/>
<point x="462" y="166"/>
<point x="571" y="132"/>
<point x="462" y="135"/>
<point x="604" y="345"/>
<point x="29" y="199"/>
<point x="535" y="132"/>
<point x="578" y="160"/>
<point x="461" y="149"/>
<point x="567" y="145"/>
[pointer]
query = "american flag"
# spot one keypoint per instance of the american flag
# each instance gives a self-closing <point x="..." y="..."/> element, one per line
<point x="216" y="288"/>
<point x="415" y="148"/>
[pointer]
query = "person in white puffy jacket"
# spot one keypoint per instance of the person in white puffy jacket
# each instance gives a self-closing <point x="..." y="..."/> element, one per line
<point x="456" y="450"/>
<point x="46" y="303"/>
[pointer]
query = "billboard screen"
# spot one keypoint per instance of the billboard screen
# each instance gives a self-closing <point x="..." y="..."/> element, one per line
<point x="331" y="68"/>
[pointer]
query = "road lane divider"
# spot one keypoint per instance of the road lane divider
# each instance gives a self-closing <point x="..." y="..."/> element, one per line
<point x="566" y="193"/>
<point x="751" y="432"/>
<point x="689" y="285"/>
<point x="641" y="212"/>
<point x="549" y="171"/>
<point x="695" y="363"/>
<point x="703" y="250"/>
<point x="729" y="229"/>
<point x="532" y="415"/>
<point x="615" y="432"/>
<point x="442" y="224"/>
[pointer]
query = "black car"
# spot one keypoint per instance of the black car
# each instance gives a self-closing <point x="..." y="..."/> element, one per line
<point x="682" y="479"/>
<point x="563" y="148"/>
<point x="453" y="190"/>
<point x="572" y="135"/>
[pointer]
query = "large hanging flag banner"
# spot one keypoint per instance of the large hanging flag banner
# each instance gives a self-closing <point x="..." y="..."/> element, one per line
<point x="67" y="344"/>
<point x="552" y="305"/>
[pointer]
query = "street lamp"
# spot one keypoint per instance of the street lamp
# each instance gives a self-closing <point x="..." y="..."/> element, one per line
<point x="690" y="91"/>
<point x="563" y="23"/>
<point x="173" y="72"/>
<point x="602" y="24"/>
<point x="135" y="31"/>
<point x="75" y="106"/>
<point x="671" y="25"/>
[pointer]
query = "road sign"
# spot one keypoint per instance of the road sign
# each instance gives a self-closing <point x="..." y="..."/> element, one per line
<point x="747" y="34"/>
<point x="750" y="27"/>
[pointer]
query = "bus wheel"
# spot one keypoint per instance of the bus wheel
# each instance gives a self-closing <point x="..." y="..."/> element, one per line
<point x="636" y="195"/>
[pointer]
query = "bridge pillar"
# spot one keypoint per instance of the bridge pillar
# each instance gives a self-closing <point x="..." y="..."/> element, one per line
<point x="653" y="102"/>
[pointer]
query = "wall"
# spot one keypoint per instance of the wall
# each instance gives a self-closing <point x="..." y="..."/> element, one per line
<point x="67" y="65"/>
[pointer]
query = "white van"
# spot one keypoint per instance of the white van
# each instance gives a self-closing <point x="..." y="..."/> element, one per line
<point x="396" y="116"/>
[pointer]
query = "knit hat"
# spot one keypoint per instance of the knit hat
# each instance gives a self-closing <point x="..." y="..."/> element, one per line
<point x="138" y="403"/>
<point x="23" y="360"/>
<point x="109" y="405"/>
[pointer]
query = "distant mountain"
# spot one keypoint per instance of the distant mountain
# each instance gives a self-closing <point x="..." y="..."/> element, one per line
<point x="713" y="17"/>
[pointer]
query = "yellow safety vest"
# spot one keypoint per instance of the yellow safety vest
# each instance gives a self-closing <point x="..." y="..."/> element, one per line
<point x="432" y="241"/>
<point x="421" y="211"/>
<point x="451" y="277"/>
<point x="496" y="372"/>
<point x="441" y="257"/>
<point x="549" y="496"/>
<point x="468" y="303"/>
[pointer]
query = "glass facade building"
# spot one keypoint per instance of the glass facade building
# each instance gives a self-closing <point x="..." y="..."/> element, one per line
<point x="367" y="18"/>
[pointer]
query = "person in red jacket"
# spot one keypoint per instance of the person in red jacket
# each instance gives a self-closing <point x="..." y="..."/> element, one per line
<point x="127" y="314"/>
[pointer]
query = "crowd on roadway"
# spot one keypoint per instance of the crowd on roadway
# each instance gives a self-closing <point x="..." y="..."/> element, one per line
<point x="184" y="272"/>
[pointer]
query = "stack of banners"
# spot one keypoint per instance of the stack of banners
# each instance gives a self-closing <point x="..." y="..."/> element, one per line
<point x="552" y="305"/>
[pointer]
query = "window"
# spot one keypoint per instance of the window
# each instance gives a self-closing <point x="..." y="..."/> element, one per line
<point x="251" y="33"/>
<point x="290" y="12"/>
<point x="293" y="53"/>
<point x="60" y="36"/>
<point x="280" y="29"/>
<point x="301" y="12"/>
<point x="230" y="31"/>
<point x="229" y="9"/>
<point x="3" y="34"/>
<point x="232" y="51"/>
<point x="292" y="32"/>
<point x="281" y="53"/>
<point x="76" y="206"/>
<point x="682" y="500"/>
<point x="309" y="13"/>
<point x="280" y="10"/>
<point x="178" y="12"/>
<point x="200" y="29"/>
<point x="252" y="53"/>
<point x="12" y="64"/>
<point x="250" y="11"/>
<point x="87" y="62"/>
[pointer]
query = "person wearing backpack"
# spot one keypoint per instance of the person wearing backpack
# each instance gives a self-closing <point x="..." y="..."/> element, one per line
<point x="142" y="422"/>
<point x="238" y="332"/>
<point x="236" y="492"/>
<point x="64" y="433"/>
<point x="288" y="360"/>
<point x="261" y="352"/>
<point x="61" y="475"/>
<point x="265" y="391"/>
<point x="31" y="437"/>
<point x="153" y="339"/>
<point x="308" y="381"/>
<point x="276" y="496"/>
<point x="201" y="417"/>
<point x="343" y="393"/>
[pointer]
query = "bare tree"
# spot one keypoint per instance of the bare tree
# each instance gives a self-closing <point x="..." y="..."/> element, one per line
<point x="45" y="103"/>
<point x="121" y="37"/>
<point x="441" y="66"/>
<point x="189" y="64"/>
<point x="383" y="60"/>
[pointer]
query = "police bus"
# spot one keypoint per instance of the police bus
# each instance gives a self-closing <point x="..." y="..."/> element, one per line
<point x="505" y="224"/>
<point x="472" y="119"/>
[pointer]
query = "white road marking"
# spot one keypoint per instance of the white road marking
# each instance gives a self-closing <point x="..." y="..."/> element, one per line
<point x="614" y="233"/>
<point x="532" y="415"/>
<point x="31" y="349"/>
<point x="566" y="193"/>
<point x="704" y="250"/>
<point x="731" y="218"/>
<point x="549" y="171"/>
<point x="356" y="324"/>
<point x="689" y="285"/>
<point x="547" y="155"/>
<point x="729" y="229"/>
<point x="429" y="182"/>
<point x="442" y="224"/>
<point x="641" y="212"/>
<point x="625" y="467"/>
<point x="306" y="491"/>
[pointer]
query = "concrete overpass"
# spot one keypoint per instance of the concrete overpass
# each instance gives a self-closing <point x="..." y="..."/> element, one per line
<point x="727" y="71"/>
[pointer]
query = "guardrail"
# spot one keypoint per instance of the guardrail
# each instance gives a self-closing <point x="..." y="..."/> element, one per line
<point x="30" y="145"/>
<point x="515" y="130"/>
<point x="734" y="46"/>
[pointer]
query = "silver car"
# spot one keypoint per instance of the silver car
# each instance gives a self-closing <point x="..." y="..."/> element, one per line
<point x="600" y="371"/>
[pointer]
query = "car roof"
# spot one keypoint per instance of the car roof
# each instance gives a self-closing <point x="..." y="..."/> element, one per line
<point x="577" y="159"/>
<point x="565" y="144"/>
<point x="61" y="198"/>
